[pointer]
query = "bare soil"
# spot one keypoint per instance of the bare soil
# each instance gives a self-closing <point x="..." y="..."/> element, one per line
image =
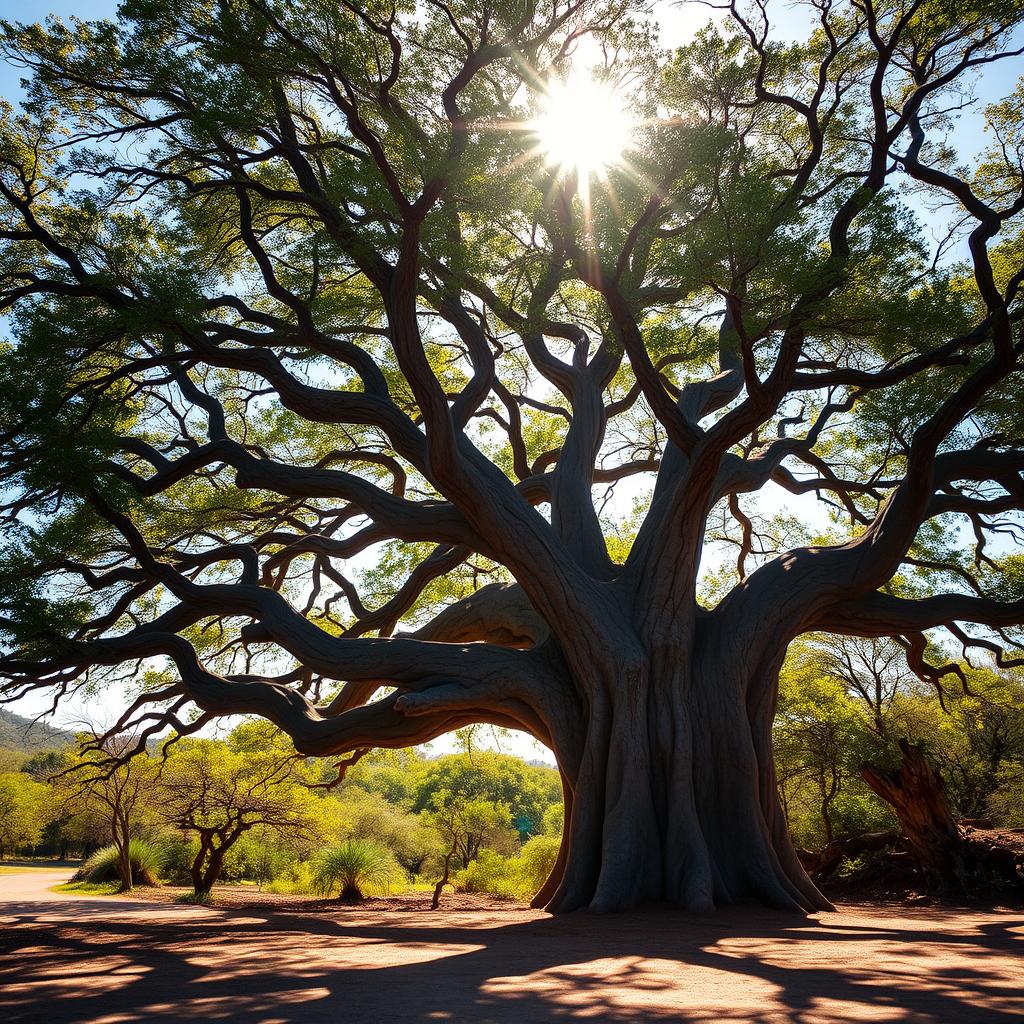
<point x="113" y="960"/>
<point x="249" y="897"/>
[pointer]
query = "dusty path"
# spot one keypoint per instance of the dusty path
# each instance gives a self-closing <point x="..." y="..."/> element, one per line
<point x="110" y="961"/>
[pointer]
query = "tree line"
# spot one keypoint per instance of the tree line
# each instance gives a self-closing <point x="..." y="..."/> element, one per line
<point x="246" y="807"/>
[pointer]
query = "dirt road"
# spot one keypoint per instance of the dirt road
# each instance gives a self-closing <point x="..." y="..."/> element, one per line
<point x="96" y="960"/>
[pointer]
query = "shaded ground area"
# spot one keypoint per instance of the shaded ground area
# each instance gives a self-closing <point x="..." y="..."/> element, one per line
<point x="93" y="959"/>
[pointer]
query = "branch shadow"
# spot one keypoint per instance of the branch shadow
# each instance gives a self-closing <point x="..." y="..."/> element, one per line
<point x="739" y="965"/>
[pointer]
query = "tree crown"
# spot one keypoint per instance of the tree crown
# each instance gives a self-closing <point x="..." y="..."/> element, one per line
<point x="292" y="289"/>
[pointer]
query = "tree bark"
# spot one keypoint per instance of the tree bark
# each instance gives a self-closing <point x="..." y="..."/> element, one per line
<point x="122" y="840"/>
<point x="670" y="787"/>
<point x="443" y="880"/>
<point x="918" y="795"/>
<point x="209" y="861"/>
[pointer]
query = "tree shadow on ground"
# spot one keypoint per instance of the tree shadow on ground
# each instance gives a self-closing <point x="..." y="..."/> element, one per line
<point x="740" y="965"/>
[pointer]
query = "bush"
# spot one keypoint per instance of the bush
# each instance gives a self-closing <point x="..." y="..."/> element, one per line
<point x="147" y="859"/>
<point x="518" y="878"/>
<point x="354" y="868"/>
<point x="369" y="816"/>
<point x="1006" y="802"/>
<point x="196" y="899"/>
<point x="178" y="851"/>
<point x="534" y="864"/>
<point x="490" y="873"/>
<point x="294" y="878"/>
<point x="256" y="857"/>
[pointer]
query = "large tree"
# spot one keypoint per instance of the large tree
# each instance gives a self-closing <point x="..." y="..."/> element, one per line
<point x="309" y="296"/>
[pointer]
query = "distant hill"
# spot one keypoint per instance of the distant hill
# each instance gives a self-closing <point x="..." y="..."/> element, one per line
<point x="25" y="736"/>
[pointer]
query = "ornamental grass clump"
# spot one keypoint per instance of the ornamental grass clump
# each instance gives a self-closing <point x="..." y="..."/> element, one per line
<point x="147" y="859"/>
<point x="354" y="869"/>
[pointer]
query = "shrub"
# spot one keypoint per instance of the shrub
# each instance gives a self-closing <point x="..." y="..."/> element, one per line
<point x="489" y="873"/>
<point x="257" y="857"/>
<point x="196" y="899"/>
<point x="1006" y="802"/>
<point x="293" y="878"/>
<point x="147" y="860"/>
<point x="178" y="851"/>
<point x="354" y="868"/>
<point x="533" y="865"/>
<point x="517" y="878"/>
<point x="554" y="820"/>
<point x="369" y="816"/>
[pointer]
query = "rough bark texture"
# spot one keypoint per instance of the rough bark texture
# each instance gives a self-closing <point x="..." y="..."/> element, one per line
<point x="669" y="780"/>
<point x="917" y="793"/>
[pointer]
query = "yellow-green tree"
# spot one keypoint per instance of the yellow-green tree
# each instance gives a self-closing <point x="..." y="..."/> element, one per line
<point x="217" y="792"/>
<point x="25" y="810"/>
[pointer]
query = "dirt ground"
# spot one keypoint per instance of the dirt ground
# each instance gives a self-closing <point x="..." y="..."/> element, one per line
<point x="68" y="959"/>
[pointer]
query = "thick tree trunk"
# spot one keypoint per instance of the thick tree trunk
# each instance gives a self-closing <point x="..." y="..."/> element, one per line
<point x="918" y="795"/>
<point x="670" y="789"/>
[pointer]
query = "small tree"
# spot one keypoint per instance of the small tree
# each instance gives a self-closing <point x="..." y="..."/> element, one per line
<point x="218" y="792"/>
<point x="110" y="779"/>
<point x="370" y="816"/>
<point x="467" y="826"/>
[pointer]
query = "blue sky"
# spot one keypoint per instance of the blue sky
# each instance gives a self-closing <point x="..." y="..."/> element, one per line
<point x="32" y="11"/>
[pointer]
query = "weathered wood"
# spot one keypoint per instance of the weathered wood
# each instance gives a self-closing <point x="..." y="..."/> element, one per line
<point x="822" y="864"/>
<point x="917" y="793"/>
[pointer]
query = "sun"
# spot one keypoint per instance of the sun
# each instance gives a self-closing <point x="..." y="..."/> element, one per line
<point x="583" y="125"/>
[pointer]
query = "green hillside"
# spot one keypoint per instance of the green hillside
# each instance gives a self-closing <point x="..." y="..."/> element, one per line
<point x="26" y="736"/>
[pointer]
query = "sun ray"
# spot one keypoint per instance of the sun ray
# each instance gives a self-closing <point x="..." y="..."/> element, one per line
<point x="583" y="126"/>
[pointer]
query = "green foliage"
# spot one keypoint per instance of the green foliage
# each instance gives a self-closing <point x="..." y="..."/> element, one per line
<point x="355" y="868"/>
<point x="295" y="878"/>
<point x="203" y="898"/>
<point x="526" y="790"/>
<point x="260" y="856"/>
<point x="1006" y="800"/>
<point x="218" y="791"/>
<point x="90" y="888"/>
<point x="490" y="873"/>
<point x="25" y="809"/>
<point x="519" y="877"/>
<point x="148" y="860"/>
<point x="831" y="720"/>
<point x="393" y="774"/>
<point x="467" y="827"/>
<point x="370" y="816"/>
<point x="534" y="863"/>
